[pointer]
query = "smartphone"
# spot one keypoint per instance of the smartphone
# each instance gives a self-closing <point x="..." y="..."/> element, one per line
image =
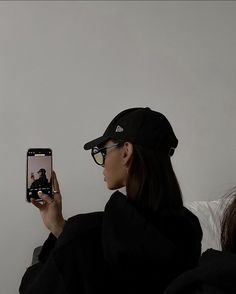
<point x="38" y="172"/>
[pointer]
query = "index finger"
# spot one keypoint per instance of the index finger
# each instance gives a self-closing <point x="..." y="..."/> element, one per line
<point x="55" y="183"/>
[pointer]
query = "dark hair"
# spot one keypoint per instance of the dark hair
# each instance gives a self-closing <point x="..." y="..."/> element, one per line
<point x="228" y="223"/>
<point x="152" y="184"/>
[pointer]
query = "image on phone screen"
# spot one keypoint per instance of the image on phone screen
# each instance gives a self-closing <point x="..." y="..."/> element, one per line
<point x="39" y="172"/>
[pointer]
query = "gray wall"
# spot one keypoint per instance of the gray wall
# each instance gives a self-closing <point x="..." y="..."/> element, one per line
<point x="66" y="68"/>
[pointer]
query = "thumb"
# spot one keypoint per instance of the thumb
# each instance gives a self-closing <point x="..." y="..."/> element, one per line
<point x="45" y="197"/>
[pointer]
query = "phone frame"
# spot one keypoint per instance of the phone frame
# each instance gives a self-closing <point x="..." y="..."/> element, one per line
<point x="39" y="152"/>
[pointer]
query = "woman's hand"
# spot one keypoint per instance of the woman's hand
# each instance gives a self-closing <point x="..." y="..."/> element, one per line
<point x="51" y="209"/>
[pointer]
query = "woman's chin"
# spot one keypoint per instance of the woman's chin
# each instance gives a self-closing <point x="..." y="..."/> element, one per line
<point x="114" y="187"/>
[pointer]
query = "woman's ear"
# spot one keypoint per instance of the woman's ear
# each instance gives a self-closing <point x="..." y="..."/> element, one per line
<point x="127" y="154"/>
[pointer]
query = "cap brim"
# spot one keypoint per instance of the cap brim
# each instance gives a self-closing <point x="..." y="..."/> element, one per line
<point x="95" y="142"/>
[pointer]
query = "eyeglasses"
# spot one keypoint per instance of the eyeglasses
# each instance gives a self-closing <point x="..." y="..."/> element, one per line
<point x="99" y="154"/>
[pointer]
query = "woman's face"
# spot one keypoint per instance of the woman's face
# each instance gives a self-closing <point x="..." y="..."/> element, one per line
<point x="115" y="167"/>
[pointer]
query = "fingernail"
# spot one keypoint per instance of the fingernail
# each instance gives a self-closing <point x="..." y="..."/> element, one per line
<point x="40" y="193"/>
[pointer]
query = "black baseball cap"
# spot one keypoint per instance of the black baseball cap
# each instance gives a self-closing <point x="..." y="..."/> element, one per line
<point x="141" y="126"/>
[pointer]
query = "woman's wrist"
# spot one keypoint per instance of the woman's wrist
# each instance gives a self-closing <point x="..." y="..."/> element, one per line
<point x="58" y="229"/>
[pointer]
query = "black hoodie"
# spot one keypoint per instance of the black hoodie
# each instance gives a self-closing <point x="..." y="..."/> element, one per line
<point x="215" y="274"/>
<point x="120" y="250"/>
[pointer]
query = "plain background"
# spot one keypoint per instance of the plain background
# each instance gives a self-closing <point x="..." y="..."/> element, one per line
<point x="67" y="68"/>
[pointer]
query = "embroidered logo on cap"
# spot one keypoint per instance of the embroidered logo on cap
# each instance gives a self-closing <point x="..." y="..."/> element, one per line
<point x="119" y="129"/>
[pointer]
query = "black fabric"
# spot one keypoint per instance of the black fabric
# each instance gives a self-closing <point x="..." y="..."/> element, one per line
<point x="119" y="250"/>
<point x="215" y="274"/>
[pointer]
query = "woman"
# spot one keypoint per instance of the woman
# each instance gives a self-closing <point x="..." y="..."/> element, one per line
<point x="216" y="271"/>
<point x="143" y="239"/>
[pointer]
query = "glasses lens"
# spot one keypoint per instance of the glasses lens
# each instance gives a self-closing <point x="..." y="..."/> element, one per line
<point x="98" y="158"/>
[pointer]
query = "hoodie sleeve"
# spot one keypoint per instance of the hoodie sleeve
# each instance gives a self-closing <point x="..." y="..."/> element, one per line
<point x="38" y="279"/>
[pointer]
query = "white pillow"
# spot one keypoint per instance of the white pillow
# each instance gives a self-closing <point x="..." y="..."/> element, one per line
<point x="209" y="214"/>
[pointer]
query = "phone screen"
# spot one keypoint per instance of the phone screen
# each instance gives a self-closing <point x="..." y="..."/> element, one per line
<point x="39" y="172"/>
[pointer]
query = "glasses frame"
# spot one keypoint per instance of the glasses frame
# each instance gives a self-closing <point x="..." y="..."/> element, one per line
<point x="103" y="151"/>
